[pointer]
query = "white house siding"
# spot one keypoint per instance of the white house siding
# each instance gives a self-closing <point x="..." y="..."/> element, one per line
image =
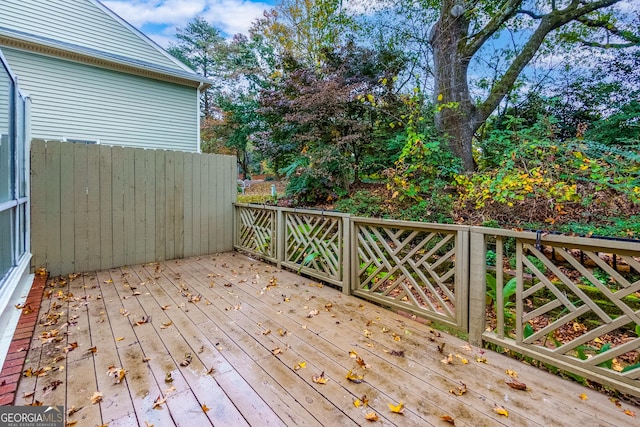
<point x="80" y="102"/>
<point x="83" y="23"/>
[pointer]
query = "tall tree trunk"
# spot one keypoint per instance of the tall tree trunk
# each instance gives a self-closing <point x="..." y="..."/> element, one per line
<point x="456" y="114"/>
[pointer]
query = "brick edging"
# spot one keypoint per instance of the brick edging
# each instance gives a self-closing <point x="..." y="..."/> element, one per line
<point x="21" y="341"/>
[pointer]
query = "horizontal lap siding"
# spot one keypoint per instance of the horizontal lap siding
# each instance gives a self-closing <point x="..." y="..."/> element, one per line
<point x="112" y="206"/>
<point x="77" y="101"/>
<point x="81" y="23"/>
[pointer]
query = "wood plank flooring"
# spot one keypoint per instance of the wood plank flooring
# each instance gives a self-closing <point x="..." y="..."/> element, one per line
<point x="226" y="340"/>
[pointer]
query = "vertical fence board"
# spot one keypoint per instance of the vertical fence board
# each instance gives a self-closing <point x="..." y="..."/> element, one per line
<point x="150" y="205"/>
<point x="67" y="229"/>
<point x="219" y="208"/>
<point x="213" y="164"/>
<point x="188" y="204"/>
<point x="170" y="204"/>
<point x="52" y="180"/>
<point x="140" y="193"/>
<point x="129" y="210"/>
<point x="38" y="203"/>
<point x="106" y="208"/>
<point x="227" y="198"/>
<point x="179" y="205"/>
<point x="204" y="206"/>
<point x="118" y="184"/>
<point x="160" y="211"/>
<point x="80" y="221"/>
<point x="93" y="207"/>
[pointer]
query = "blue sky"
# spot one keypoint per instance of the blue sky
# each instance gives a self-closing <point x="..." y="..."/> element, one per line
<point x="158" y="19"/>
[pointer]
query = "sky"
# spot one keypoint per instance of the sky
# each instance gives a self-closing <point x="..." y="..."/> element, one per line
<point x="159" y="19"/>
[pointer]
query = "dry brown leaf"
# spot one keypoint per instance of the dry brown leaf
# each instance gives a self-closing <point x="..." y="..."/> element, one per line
<point x="319" y="379"/>
<point x="71" y="423"/>
<point x="96" y="398"/>
<point x="157" y="404"/>
<point x="354" y="378"/>
<point x="583" y="396"/>
<point x="517" y="385"/>
<point x="460" y="390"/>
<point x="299" y="366"/>
<point x="117" y="373"/>
<point x="145" y="319"/>
<point x="361" y="362"/>
<point x="187" y="359"/>
<point x="165" y="325"/>
<point x="629" y="412"/>
<point x="512" y="374"/>
<point x="119" y="338"/>
<point x="312" y="313"/>
<point x="448" y="360"/>
<point x="398" y="353"/>
<point x="371" y="416"/>
<point x="276" y="351"/>
<point x="165" y="307"/>
<point x="267" y="332"/>
<point x="27" y="395"/>
<point x="353" y="354"/>
<point x="211" y="371"/>
<point x="282" y="332"/>
<point x="92" y="350"/>
<point x="73" y="410"/>
<point x="168" y="377"/>
<point x="204" y="408"/>
<point x="448" y="419"/>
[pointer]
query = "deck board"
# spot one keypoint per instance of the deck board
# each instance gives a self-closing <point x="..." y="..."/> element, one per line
<point x="219" y="309"/>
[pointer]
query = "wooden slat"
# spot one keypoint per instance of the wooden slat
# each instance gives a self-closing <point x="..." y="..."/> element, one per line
<point x="214" y="246"/>
<point x="204" y="205"/>
<point x="118" y="200"/>
<point x="188" y="200"/>
<point x="39" y="204"/>
<point x="170" y="204"/>
<point x="94" y="207"/>
<point x="160" y="209"/>
<point x="180" y="189"/>
<point x="150" y="206"/>
<point x="106" y="208"/>
<point x="80" y="223"/>
<point x="140" y="193"/>
<point x="129" y="209"/>
<point x="67" y="211"/>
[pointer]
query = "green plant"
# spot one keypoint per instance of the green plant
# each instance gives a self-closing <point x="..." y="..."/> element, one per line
<point x="490" y="258"/>
<point x="508" y="290"/>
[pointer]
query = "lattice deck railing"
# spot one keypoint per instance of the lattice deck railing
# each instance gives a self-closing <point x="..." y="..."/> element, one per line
<point x="568" y="301"/>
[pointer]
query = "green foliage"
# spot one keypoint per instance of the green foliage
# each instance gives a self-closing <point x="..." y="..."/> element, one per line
<point x="363" y="203"/>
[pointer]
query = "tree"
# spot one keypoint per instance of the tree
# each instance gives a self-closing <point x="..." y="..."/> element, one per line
<point x="463" y="28"/>
<point x="199" y="47"/>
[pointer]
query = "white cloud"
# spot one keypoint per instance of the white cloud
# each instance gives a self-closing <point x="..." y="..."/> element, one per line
<point x="230" y="16"/>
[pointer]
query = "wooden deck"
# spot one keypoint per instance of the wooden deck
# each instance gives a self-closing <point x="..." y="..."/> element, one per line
<point x="226" y="340"/>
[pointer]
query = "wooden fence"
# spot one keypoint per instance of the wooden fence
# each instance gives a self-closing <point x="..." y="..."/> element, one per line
<point x="571" y="302"/>
<point x="96" y="207"/>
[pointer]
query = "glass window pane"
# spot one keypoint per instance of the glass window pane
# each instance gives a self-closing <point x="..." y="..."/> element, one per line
<point x="6" y="236"/>
<point x="22" y="230"/>
<point x="6" y="161"/>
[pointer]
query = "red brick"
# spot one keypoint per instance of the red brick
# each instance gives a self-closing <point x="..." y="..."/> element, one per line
<point x="16" y="344"/>
<point x="22" y="335"/>
<point x="8" y="388"/>
<point x="14" y="362"/>
<point x="7" y="399"/>
<point x="16" y="355"/>
<point x="11" y="370"/>
<point x="23" y="329"/>
<point x="31" y="317"/>
<point x="9" y="379"/>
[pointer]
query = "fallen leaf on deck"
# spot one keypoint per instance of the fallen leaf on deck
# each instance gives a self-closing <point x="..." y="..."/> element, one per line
<point x="448" y="360"/>
<point x="119" y="338"/>
<point x="26" y="395"/>
<point x="353" y="354"/>
<point x="481" y="359"/>
<point x="70" y="347"/>
<point x="361" y="362"/>
<point x="512" y="374"/>
<point x="354" y="378"/>
<point x="165" y="307"/>
<point x="371" y="416"/>
<point x="92" y="350"/>
<point x="448" y="419"/>
<point x="441" y="347"/>
<point x="300" y="365"/>
<point x="187" y="360"/>
<point x="396" y="409"/>
<point x="319" y="379"/>
<point x="117" y="373"/>
<point x="282" y="332"/>
<point x="363" y="401"/>
<point x="267" y="332"/>
<point x="501" y="411"/>
<point x="71" y="423"/>
<point x="396" y="337"/>
<point x="583" y="397"/>
<point x="312" y="313"/>
<point x="73" y="410"/>
<point x="276" y="351"/>
<point x="204" y="408"/>
<point x="157" y="404"/>
<point x="367" y="333"/>
<point x="170" y="390"/>
<point x="398" y="353"/>
<point x="145" y="319"/>
<point x="211" y="371"/>
<point x="517" y="385"/>
<point x="124" y="312"/>
<point x="97" y="397"/>
<point x="462" y="359"/>
<point x="460" y="390"/>
<point x="165" y="325"/>
<point x="629" y="412"/>
<point x="168" y="378"/>
<point x="36" y="403"/>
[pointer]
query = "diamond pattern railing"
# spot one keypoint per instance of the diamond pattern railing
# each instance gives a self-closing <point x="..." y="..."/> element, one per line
<point x="313" y="245"/>
<point x="256" y="231"/>
<point x="412" y="269"/>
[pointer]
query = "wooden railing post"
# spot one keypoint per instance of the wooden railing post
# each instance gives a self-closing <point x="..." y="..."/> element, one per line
<point x="280" y="236"/>
<point x="346" y="255"/>
<point x="477" y="286"/>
